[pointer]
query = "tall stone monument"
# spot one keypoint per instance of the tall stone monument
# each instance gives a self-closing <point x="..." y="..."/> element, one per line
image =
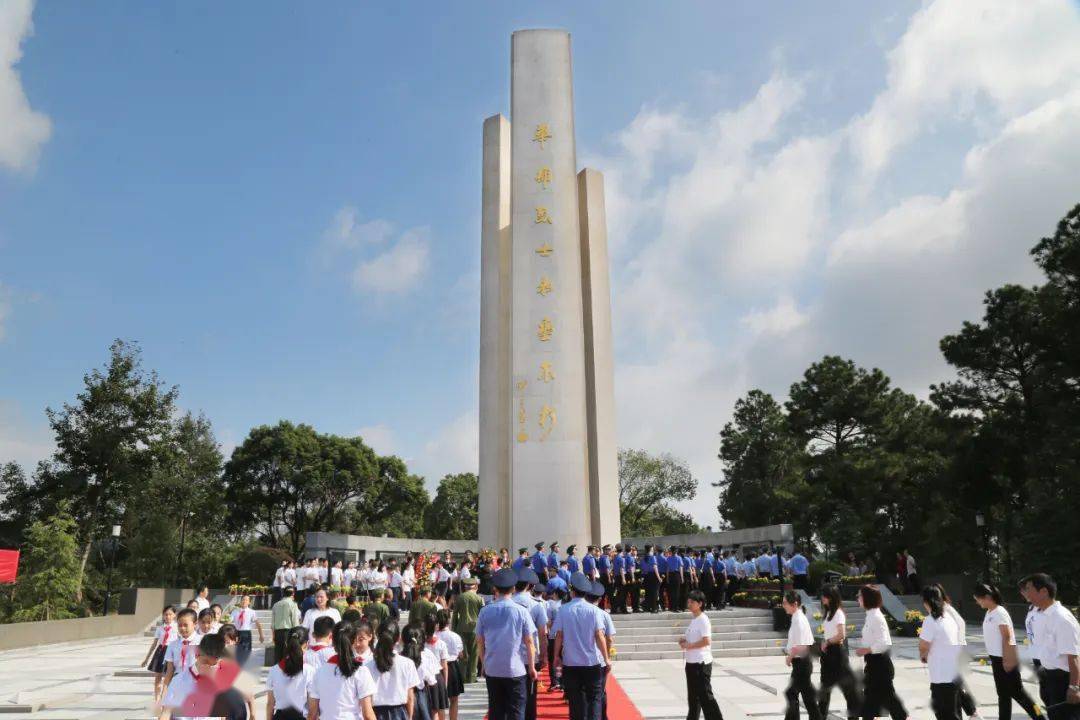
<point x="548" y="468"/>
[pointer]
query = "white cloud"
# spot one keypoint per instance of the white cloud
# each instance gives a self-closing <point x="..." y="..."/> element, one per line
<point x="959" y="56"/>
<point x="23" y="440"/>
<point x="397" y="270"/>
<point x="379" y="438"/>
<point x="23" y="130"/>
<point x="455" y="448"/>
<point x="384" y="261"/>
<point x="780" y="319"/>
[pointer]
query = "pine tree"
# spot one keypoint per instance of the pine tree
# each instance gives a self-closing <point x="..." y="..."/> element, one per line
<point x="49" y="582"/>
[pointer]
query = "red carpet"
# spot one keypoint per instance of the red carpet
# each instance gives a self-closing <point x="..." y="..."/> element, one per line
<point x="551" y="706"/>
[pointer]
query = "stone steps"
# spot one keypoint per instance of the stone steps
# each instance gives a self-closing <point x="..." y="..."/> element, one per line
<point x="674" y="635"/>
<point x="736" y="632"/>
<point x="677" y="654"/>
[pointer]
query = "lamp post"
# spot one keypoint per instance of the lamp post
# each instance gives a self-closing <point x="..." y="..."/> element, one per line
<point x="980" y="522"/>
<point x="112" y="566"/>
<point x="180" y="554"/>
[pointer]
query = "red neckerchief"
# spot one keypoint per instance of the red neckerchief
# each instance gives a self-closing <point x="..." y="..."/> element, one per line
<point x="334" y="660"/>
<point x="431" y="640"/>
<point x="317" y="648"/>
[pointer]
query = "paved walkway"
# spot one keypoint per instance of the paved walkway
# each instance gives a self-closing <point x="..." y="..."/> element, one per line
<point x="101" y="680"/>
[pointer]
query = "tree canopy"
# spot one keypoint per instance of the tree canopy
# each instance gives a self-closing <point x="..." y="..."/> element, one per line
<point x="647" y="485"/>
<point x="453" y="513"/>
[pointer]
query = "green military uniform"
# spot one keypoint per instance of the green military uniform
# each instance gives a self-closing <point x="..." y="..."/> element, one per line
<point x="421" y="609"/>
<point x="466" y="609"/>
<point x="377" y="614"/>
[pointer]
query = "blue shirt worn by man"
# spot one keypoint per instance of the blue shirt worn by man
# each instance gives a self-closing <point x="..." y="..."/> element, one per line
<point x="553" y="559"/>
<point x="603" y="564"/>
<point x="628" y="565"/>
<point x="729" y="565"/>
<point x="618" y="565"/>
<point x="538" y="613"/>
<point x="556" y="583"/>
<point x="572" y="564"/>
<point x="519" y="563"/>
<point x="674" y="564"/>
<point x="799" y="564"/>
<point x="539" y="563"/>
<point x="578" y="621"/>
<point x="648" y="564"/>
<point x="589" y="566"/>
<point x="775" y="559"/>
<point x="503" y="625"/>
<point x="661" y="564"/>
<point x="764" y="567"/>
<point x="565" y="575"/>
<point x="748" y="567"/>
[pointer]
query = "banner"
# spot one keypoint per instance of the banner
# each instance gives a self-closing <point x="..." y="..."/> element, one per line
<point x="9" y="565"/>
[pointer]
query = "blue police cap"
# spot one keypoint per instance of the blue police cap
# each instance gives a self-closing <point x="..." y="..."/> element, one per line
<point x="579" y="582"/>
<point x="526" y="575"/>
<point x="541" y="588"/>
<point x="504" y="579"/>
<point x="597" y="589"/>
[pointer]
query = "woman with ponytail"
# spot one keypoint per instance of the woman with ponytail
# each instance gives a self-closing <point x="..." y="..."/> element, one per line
<point x="435" y="657"/>
<point x="1000" y="643"/>
<point x="395" y="678"/>
<point x="412" y="648"/>
<point x="835" y="667"/>
<point x="939" y="648"/>
<point x="288" y="682"/>
<point x="879" y="671"/>
<point x="963" y="695"/>
<point x="342" y="688"/>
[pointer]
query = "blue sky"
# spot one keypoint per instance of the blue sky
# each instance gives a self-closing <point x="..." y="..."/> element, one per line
<point x="280" y="203"/>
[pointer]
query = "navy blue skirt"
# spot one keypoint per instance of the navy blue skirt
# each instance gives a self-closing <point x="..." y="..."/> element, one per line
<point x="391" y="712"/>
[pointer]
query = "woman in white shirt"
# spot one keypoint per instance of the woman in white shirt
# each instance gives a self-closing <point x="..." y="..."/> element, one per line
<point x="799" y="641"/>
<point x="395" y="678"/>
<point x="835" y="668"/>
<point x="408" y="582"/>
<point x="288" y="681"/>
<point x="879" y="671"/>
<point x="696" y="643"/>
<point x="322" y="609"/>
<point x="1000" y="641"/>
<point x="412" y="647"/>
<point x="963" y="695"/>
<point x="939" y="648"/>
<point x="343" y="688"/>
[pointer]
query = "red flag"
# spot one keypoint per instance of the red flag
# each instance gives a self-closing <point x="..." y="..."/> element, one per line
<point x="9" y="565"/>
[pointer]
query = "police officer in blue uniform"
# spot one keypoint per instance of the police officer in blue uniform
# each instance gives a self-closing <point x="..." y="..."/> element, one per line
<point x="553" y="556"/>
<point x="588" y="563"/>
<point x="539" y="560"/>
<point x="618" y="571"/>
<point x="630" y="569"/>
<point x="572" y="563"/>
<point x="502" y="628"/>
<point x="526" y="580"/>
<point x="674" y="579"/>
<point x="522" y="560"/>
<point x="581" y="649"/>
<point x="651" y="579"/>
<point x="661" y="567"/>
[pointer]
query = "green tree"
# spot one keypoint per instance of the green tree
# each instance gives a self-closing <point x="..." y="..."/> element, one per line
<point x="17" y="504"/>
<point x="394" y="505"/>
<point x="452" y="515"/>
<point x="763" y="480"/>
<point x="107" y="443"/>
<point x="647" y="484"/>
<point x="48" y="585"/>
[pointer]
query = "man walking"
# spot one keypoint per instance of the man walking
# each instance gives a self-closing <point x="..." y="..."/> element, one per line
<point x="581" y="649"/>
<point x="284" y="616"/>
<point x="1057" y="647"/>
<point x="501" y="629"/>
<point x="467" y="607"/>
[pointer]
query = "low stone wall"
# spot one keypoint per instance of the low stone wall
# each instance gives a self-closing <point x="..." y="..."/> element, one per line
<point x="138" y="608"/>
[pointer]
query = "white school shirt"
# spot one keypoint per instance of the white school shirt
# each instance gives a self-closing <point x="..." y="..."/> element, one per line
<point x="799" y="633"/>
<point x="317" y="655"/>
<point x="378" y="580"/>
<point x="831" y="626"/>
<point x="453" y="642"/>
<point x="392" y="687"/>
<point x="408" y="578"/>
<point x="324" y="572"/>
<point x="335" y="576"/>
<point x="243" y="618"/>
<point x="181" y="653"/>
<point x="349" y="576"/>
<point x="992" y="636"/>
<point x="961" y="624"/>
<point x="165" y="634"/>
<point x="1057" y="635"/>
<point x="314" y="614"/>
<point x="290" y="692"/>
<point x="465" y="573"/>
<point x="698" y="629"/>
<point x="290" y="577"/>
<point x="395" y="579"/>
<point x="875" y="632"/>
<point x="426" y="677"/>
<point x="944" y="637"/>
<point x="279" y="577"/>
<point x="182" y="685"/>
<point x="339" y="696"/>
<point x="202" y="603"/>
<point x="431" y="662"/>
<point x="911" y="570"/>
<point x="444" y="575"/>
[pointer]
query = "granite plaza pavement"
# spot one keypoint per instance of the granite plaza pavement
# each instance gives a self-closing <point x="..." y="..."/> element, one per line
<point x="101" y="679"/>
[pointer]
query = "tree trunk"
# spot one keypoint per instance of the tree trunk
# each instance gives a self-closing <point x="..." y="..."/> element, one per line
<point x="91" y="520"/>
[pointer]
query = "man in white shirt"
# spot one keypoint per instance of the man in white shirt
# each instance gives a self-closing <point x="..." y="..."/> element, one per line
<point x="1057" y="646"/>
<point x="324" y="571"/>
<point x="799" y="641"/>
<point x="290" y="575"/>
<point x="912" y="573"/>
<point x="279" y="581"/>
<point x="336" y="574"/>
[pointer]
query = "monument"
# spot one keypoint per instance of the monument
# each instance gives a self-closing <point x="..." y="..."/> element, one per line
<point x="548" y="467"/>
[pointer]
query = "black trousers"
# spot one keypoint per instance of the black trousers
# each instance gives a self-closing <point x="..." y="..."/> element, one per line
<point x="243" y="647"/>
<point x="618" y="596"/>
<point x="530" y="696"/>
<point x="1053" y="689"/>
<point x="608" y="589"/>
<point x="707" y="588"/>
<point x="836" y="672"/>
<point x="799" y="582"/>
<point x="584" y="687"/>
<point x="699" y="696"/>
<point x="801" y="685"/>
<point x="943" y="701"/>
<point x="652" y="593"/>
<point x="879" y="690"/>
<point x="633" y="589"/>
<point x="964" y="698"/>
<point x="674" y="585"/>
<point x="1010" y="687"/>
<point x="280" y="636"/>
<point x="506" y="698"/>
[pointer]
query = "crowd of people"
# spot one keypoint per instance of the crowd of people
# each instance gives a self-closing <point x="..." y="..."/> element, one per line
<point x="344" y="650"/>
